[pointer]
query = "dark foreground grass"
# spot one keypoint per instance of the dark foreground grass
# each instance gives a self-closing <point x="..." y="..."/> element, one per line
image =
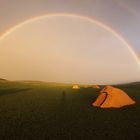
<point x="39" y="111"/>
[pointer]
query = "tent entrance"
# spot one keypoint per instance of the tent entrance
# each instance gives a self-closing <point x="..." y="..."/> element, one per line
<point x="104" y="97"/>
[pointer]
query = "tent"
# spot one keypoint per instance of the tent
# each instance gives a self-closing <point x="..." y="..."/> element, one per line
<point x="111" y="97"/>
<point x="95" y="86"/>
<point x="75" y="87"/>
<point x="91" y="86"/>
<point x="86" y="86"/>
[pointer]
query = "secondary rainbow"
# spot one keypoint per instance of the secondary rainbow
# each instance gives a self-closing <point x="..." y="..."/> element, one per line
<point x="94" y="21"/>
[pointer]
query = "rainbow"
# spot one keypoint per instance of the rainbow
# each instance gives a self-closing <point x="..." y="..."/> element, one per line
<point x="94" y="21"/>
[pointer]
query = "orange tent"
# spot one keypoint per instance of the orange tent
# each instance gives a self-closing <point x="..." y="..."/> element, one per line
<point x="111" y="97"/>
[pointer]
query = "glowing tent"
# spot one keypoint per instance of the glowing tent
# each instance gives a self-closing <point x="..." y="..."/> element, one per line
<point x="75" y="87"/>
<point x="111" y="97"/>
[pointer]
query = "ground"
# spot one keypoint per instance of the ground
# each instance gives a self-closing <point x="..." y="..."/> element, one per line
<point x="44" y="111"/>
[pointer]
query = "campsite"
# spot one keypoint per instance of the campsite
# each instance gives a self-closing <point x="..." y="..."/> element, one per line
<point x="38" y="110"/>
<point x="69" y="69"/>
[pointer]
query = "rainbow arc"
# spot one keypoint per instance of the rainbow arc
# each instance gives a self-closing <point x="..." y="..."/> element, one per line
<point x="94" y="21"/>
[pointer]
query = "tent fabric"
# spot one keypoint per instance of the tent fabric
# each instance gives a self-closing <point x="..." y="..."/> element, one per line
<point x="111" y="97"/>
<point x="75" y="87"/>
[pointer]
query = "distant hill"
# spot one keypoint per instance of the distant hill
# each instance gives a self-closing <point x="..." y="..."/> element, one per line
<point x="1" y="79"/>
<point x="44" y="82"/>
<point x="136" y="83"/>
<point x="129" y="85"/>
<point x="133" y="84"/>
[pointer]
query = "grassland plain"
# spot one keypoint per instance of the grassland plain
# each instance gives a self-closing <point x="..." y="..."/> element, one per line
<point x="46" y="111"/>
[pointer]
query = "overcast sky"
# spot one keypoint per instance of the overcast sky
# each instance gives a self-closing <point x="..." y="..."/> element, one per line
<point x="121" y="15"/>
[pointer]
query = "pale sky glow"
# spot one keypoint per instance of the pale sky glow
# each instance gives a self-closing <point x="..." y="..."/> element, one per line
<point x="66" y="49"/>
<point x="123" y="16"/>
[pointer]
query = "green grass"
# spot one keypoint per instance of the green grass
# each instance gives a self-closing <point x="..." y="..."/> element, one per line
<point x="41" y="111"/>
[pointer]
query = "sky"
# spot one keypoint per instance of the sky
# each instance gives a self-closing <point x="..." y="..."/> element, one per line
<point x="122" y="15"/>
<point x="92" y="59"/>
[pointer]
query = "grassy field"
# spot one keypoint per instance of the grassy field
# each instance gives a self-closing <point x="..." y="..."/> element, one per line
<point x="41" y="111"/>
